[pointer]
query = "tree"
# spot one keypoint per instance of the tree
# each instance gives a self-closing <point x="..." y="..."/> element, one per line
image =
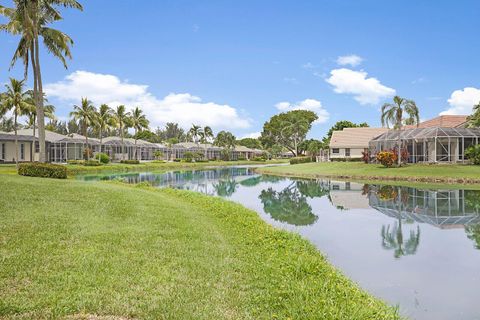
<point x="17" y="101"/>
<point x="103" y="121"/>
<point x="227" y="141"/>
<point x="393" y="113"/>
<point x="288" y="129"/>
<point x="392" y="239"/>
<point x="195" y="133"/>
<point x="121" y="121"/>
<point x="340" y="125"/>
<point x="474" y="118"/>
<point x="251" y="143"/>
<point x="30" y="20"/>
<point x="205" y="136"/>
<point x="172" y="131"/>
<point x="85" y="114"/>
<point x="48" y="111"/>
<point x="138" y="122"/>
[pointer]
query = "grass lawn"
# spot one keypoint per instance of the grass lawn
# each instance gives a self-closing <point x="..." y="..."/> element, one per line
<point x="359" y="170"/>
<point x="73" y="249"/>
<point x="145" y="166"/>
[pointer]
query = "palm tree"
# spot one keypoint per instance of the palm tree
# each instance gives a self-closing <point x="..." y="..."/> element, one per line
<point x="474" y="118"/>
<point x="138" y="122"/>
<point x="85" y="115"/>
<point x="49" y="112"/>
<point x="195" y="133"/>
<point x="121" y="120"/>
<point x="205" y="135"/>
<point x="393" y="113"/>
<point x="103" y="120"/>
<point x="17" y="101"/>
<point x="227" y="141"/>
<point x="29" y="19"/>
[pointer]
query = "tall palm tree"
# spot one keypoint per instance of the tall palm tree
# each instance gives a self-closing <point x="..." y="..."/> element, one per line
<point x="205" y="136"/>
<point x="17" y="101"/>
<point x="195" y="133"/>
<point x="103" y="121"/>
<point x="85" y="115"/>
<point x="30" y="19"/>
<point x="121" y="120"/>
<point x="49" y="112"/>
<point x="393" y="113"/>
<point x="138" y="122"/>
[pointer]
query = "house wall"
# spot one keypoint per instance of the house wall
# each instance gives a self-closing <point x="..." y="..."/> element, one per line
<point x="354" y="153"/>
<point x="10" y="153"/>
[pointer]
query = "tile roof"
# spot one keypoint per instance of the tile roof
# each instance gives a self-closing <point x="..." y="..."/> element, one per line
<point x="444" y="121"/>
<point x="354" y="137"/>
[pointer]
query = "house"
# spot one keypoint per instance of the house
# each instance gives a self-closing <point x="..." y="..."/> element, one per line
<point x="444" y="121"/>
<point x="349" y="143"/>
<point x="7" y="147"/>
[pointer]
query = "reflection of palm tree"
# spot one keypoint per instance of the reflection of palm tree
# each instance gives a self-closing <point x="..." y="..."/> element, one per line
<point x="288" y="205"/>
<point x="392" y="239"/>
<point x="312" y="189"/>
<point x="225" y="188"/>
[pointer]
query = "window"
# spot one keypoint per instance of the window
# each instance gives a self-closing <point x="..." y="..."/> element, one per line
<point x="37" y="147"/>
<point x="347" y="152"/>
<point x="4" y="151"/>
<point x="22" y="151"/>
<point x="335" y="150"/>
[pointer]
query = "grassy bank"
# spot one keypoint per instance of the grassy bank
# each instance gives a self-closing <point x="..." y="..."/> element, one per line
<point x="145" y="166"/>
<point x="451" y="174"/>
<point x="72" y="248"/>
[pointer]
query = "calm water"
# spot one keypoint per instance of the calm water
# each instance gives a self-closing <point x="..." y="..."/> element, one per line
<point x="416" y="248"/>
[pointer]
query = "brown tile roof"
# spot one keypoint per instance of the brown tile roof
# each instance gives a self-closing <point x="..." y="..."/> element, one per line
<point x="354" y="137"/>
<point x="445" y="121"/>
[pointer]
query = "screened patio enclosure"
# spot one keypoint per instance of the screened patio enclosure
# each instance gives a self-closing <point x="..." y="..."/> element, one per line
<point x="430" y="145"/>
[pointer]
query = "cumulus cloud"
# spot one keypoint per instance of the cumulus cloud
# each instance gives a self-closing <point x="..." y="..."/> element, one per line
<point x="183" y="108"/>
<point x="307" y="104"/>
<point x="462" y="101"/>
<point x="364" y="90"/>
<point x="352" y="60"/>
<point x="253" y="135"/>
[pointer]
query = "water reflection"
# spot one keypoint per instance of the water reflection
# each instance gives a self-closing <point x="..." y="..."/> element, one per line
<point x="415" y="247"/>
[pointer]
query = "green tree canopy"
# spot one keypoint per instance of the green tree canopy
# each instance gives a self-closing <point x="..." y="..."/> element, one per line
<point x="474" y="118"/>
<point x="288" y="129"/>
<point x="252" y="143"/>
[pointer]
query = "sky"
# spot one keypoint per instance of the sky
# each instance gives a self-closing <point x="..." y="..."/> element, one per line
<point x="234" y="64"/>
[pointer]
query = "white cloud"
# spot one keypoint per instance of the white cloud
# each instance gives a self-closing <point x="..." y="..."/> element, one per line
<point x="253" y="135"/>
<point x="352" y="60"/>
<point x="183" y="108"/>
<point x="462" y="101"/>
<point x="307" y="104"/>
<point x="365" y="90"/>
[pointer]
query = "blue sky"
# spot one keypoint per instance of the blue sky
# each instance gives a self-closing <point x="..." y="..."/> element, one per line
<point x="233" y="64"/>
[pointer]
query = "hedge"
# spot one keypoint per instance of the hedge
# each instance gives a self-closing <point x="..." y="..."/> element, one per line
<point x="42" y="170"/>
<point x="79" y="162"/>
<point x="92" y="163"/>
<point x="346" y="159"/>
<point x="298" y="160"/>
<point x="130" y="161"/>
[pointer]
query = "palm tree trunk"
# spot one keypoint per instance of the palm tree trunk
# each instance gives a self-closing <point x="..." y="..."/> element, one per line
<point x="87" y="149"/>
<point x="35" y="95"/>
<point x="136" y="144"/>
<point x="399" y="145"/>
<point x="101" y="139"/>
<point x="123" y="144"/>
<point x="40" y="113"/>
<point x="16" y="138"/>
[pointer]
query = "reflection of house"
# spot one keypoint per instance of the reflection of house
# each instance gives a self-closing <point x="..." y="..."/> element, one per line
<point x="442" y="208"/>
<point x="348" y="195"/>
<point x="351" y="142"/>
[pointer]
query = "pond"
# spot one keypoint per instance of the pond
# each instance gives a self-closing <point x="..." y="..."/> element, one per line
<point x="415" y="248"/>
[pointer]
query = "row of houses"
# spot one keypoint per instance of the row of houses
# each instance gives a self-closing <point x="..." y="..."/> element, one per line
<point x="441" y="139"/>
<point x="62" y="148"/>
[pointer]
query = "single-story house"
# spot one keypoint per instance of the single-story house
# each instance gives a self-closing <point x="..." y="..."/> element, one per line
<point x="7" y="147"/>
<point x="349" y="143"/>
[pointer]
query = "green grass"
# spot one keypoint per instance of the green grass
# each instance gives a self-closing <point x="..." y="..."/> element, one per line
<point x="145" y="166"/>
<point x="73" y="248"/>
<point x="456" y="174"/>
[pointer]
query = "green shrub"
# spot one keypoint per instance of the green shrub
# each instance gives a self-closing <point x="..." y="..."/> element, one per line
<point x="260" y="159"/>
<point x="130" y="161"/>
<point x="343" y="159"/>
<point x="298" y="160"/>
<point x="42" y="170"/>
<point x="473" y="154"/>
<point x="92" y="163"/>
<point x="242" y="158"/>
<point x="177" y="160"/>
<point x="102" y="157"/>
<point x="77" y="162"/>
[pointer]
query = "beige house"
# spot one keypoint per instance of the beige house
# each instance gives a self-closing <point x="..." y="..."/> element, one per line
<point x="7" y="147"/>
<point x="349" y="143"/>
